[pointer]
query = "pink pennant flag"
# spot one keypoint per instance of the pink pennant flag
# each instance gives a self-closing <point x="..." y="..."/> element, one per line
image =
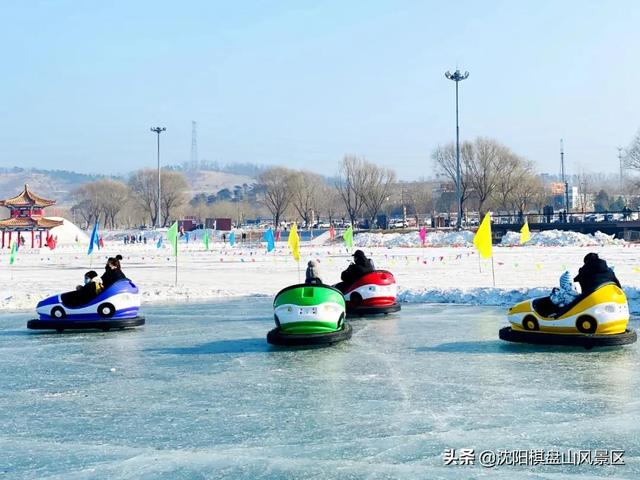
<point x="423" y="235"/>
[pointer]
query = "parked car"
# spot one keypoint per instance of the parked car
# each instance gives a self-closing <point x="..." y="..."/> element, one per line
<point x="398" y="224"/>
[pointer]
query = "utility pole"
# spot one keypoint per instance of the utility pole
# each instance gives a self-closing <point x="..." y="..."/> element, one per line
<point x="457" y="77"/>
<point x="158" y="131"/>
<point x="195" y="163"/>
<point x="564" y="178"/>
<point x="620" y="159"/>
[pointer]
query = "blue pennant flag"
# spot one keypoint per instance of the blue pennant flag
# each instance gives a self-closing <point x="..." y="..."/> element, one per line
<point x="159" y="243"/>
<point x="269" y="238"/>
<point x="232" y="238"/>
<point x="94" y="240"/>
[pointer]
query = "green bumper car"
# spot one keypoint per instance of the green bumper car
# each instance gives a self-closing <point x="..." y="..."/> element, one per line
<point x="309" y="315"/>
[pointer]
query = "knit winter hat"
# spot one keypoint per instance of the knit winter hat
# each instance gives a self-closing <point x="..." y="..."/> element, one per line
<point x="591" y="258"/>
<point x="566" y="283"/>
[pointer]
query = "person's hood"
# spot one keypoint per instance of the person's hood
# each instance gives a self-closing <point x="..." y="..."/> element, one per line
<point x="600" y="265"/>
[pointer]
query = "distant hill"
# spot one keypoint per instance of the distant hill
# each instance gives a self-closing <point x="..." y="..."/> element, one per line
<point x="53" y="184"/>
<point x="209" y="182"/>
<point x="60" y="184"/>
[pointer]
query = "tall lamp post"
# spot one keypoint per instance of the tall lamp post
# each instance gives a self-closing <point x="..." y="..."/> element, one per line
<point x="457" y="77"/>
<point x="158" y="131"/>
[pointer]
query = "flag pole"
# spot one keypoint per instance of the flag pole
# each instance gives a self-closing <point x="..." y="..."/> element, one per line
<point x="493" y="271"/>
<point x="176" y="282"/>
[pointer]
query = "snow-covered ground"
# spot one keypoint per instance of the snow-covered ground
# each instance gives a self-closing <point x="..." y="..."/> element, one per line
<point x="445" y="274"/>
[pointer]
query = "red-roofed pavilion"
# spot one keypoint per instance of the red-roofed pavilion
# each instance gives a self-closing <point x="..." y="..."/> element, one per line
<point x="27" y="215"/>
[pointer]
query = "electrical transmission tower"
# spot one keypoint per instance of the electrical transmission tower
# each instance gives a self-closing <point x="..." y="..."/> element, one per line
<point x="195" y="164"/>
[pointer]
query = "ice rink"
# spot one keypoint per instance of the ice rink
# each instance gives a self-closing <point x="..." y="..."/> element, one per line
<point x="198" y="393"/>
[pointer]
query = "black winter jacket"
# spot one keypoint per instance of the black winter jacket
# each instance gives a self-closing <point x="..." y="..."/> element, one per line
<point x="592" y="275"/>
<point x="81" y="296"/>
<point x="354" y="271"/>
<point x="109" y="277"/>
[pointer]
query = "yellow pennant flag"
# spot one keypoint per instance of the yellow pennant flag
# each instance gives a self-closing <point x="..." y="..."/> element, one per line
<point x="294" y="242"/>
<point x="525" y="234"/>
<point x="482" y="238"/>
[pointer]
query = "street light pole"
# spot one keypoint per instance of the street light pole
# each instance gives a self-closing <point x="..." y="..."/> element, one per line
<point x="457" y="77"/>
<point x="564" y="180"/>
<point x="158" y="131"/>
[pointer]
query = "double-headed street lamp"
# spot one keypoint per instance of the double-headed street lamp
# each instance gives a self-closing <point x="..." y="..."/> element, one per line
<point x="158" y="131"/>
<point x="457" y="76"/>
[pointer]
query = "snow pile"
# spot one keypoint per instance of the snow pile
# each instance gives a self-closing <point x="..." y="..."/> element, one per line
<point x="412" y="239"/>
<point x="68" y="233"/>
<point x="492" y="296"/>
<point x="321" y="239"/>
<point x="470" y="296"/>
<point x="558" y="238"/>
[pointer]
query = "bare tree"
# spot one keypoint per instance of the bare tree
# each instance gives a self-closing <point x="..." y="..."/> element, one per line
<point x="584" y="190"/>
<point x="88" y="203"/>
<point x="351" y="185"/>
<point x="444" y="159"/>
<point x="526" y="193"/>
<point x="512" y="170"/>
<point x="276" y="191"/>
<point x="173" y="194"/>
<point x="484" y="167"/>
<point x="632" y="158"/>
<point x="306" y="189"/>
<point x="113" y="198"/>
<point x="144" y="188"/>
<point x="419" y="196"/>
<point x="378" y="186"/>
<point x="330" y="202"/>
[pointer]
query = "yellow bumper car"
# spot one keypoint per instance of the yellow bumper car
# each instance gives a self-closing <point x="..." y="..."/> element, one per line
<point x="598" y="319"/>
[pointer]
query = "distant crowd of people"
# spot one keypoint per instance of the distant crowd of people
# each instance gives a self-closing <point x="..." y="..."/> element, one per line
<point x="135" y="239"/>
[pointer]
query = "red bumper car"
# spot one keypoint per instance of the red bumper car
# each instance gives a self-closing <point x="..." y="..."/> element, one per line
<point x="373" y="294"/>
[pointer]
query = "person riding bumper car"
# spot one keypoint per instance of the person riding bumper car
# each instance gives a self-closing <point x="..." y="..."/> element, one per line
<point x="309" y="314"/>
<point x="116" y="307"/>
<point x="372" y="294"/>
<point x="599" y="318"/>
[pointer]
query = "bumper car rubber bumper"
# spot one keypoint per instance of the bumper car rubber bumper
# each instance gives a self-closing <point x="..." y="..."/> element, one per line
<point x="277" y="337"/>
<point x="587" y="341"/>
<point x="79" y="324"/>
<point x="363" y="310"/>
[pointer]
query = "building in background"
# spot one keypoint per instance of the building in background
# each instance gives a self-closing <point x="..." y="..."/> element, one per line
<point x="26" y="215"/>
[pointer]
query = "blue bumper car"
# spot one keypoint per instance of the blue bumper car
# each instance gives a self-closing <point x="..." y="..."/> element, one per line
<point x="115" y="308"/>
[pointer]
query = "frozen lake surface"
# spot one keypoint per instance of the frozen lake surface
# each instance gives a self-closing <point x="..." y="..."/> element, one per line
<point x="198" y="393"/>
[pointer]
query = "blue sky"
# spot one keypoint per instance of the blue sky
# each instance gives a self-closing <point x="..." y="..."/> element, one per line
<point x="303" y="83"/>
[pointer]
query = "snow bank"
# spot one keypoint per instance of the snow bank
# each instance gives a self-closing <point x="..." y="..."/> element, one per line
<point x="68" y="233"/>
<point x="412" y="239"/>
<point x="321" y="239"/>
<point x="558" y="238"/>
<point x="492" y="296"/>
<point x="549" y="238"/>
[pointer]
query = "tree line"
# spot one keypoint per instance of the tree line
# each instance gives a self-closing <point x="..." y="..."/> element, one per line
<point x="493" y="177"/>
<point x="115" y="203"/>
